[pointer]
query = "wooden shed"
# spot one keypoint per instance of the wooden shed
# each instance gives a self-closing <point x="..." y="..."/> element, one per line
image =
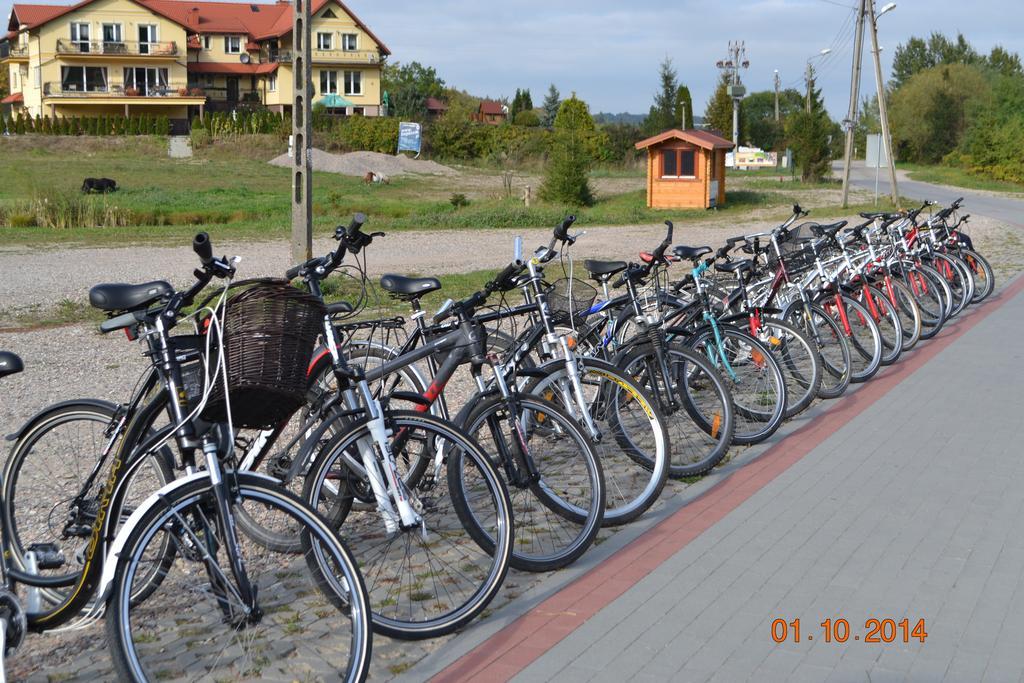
<point x="685" y="169"/>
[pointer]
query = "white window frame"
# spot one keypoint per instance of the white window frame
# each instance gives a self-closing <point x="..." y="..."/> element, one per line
<point x="120" y="32"/>
<point x="677" y="153"/>
<point x="352" y="79"/>
<point x="331" y="82"/>
<point x="355" y="42"/>
<point x="84" y="83"/>
<point x="231" y="40"/>
<point x="207" y="41"/>
<point x="272" y="83"/>
<point x="76" y="27"/>
<point x="320" y="35"/>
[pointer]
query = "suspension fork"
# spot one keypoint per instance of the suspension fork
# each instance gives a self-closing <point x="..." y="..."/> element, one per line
<point x="572" y="367"/>
<point x="870" y="299"/>
<point x="843" y="318"/>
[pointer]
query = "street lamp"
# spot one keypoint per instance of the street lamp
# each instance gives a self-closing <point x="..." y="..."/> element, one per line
<point x="809" y="73"/>
<point x="888" y="8"/>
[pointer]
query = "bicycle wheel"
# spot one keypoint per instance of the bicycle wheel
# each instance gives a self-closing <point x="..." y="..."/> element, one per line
<point x="430" y="580"/>
<point x="755" y="380"/>
<point x="954" y="278"/>
<point x="902" y="300"/>
<point x="557" y="511"/>
<point x="890" y="327"/>
<point x="861" y="333"/>
<point x="799" y="360"/>
<point x="981" y="271"/>
<point x="310" y="619"/>
<point x="929" y="295"/>
<point x="633" y="445"/>
<point x="831" y="343"/>
<point x="694" y="400"/>
<point x="52" y="484"/>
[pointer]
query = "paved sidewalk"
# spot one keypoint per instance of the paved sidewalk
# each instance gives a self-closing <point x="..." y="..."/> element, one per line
<point x="901" y="500"/>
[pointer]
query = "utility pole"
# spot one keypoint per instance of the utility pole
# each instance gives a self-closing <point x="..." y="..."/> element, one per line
<point x="737" y="59"/>
<point x="302" y="134"/>
<point x="851" y="112"/>
<point x="883" y="109"/>
<point x="778" y="83"/>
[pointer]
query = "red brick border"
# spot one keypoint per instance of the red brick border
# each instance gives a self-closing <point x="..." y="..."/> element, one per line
<point x="519" y="644"/>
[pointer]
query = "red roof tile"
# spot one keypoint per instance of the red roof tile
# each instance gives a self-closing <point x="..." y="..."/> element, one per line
<point x="701" y="138"/>
<point x="12" y="99"/>
<point x="434" y="104"/>
<point x="268" y="20"/>
<point x="491" y="107"/>
<point x="230" y="68"/>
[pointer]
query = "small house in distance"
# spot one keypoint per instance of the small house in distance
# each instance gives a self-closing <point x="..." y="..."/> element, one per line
<point x="435" y="107"/>
<point x="491" y="112"/>
<point x="685" y="169"/>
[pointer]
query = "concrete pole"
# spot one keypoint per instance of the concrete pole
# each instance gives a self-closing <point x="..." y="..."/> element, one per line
<point x="777" y="84"/>
<point x="808" y="75"/>
<point x="883" y="109"/>
<point x="302" y="134"/>
<point x="851" y="113"/>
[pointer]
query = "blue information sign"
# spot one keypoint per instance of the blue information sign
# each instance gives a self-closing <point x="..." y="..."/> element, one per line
<point x="409" y="137"/>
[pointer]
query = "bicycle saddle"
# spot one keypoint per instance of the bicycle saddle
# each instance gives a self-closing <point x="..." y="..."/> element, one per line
<point x="690" y="253"/>
<point x="10" y="364"/>
<point x="603" y="268"/>
<point x="121" y="297"/>
<point x="827" y="230"/>
<point x="740" y="266"/>
<point x="412" y="287"/>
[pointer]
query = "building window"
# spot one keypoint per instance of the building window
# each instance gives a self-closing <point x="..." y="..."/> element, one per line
<point x="37" y="76"/>
<point x="112" y="35"/>
<point x="207" y="42"/>
<point x="678" y="163"/>
<point x="350" y="42"/>
<point x="323" y="41"/>
<point x="353" y="82"/>
<point x="272" y="83"/>
<point x="80" y="36"/>
<point x="83" y="79"/>
<point x="209" y="81"/>
<point x="233" y="45"/>
<point x="148" y="81"/>
<point x="147" y="37"/>
<point x="328" y="82"/>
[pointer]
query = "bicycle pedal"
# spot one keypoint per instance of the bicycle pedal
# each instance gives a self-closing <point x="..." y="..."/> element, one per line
<point x="48" y="555"/>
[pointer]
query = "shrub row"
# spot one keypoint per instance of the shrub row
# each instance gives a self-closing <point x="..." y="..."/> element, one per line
<point x="88" y="125"/>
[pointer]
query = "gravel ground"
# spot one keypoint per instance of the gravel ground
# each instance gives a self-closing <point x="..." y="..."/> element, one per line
<point x="360" y="163"/>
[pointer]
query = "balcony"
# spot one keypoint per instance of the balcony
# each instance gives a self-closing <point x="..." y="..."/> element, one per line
<point x="75" y="91"/>
<point x="331" y="56"/>
<point x="126" y="48"/>
<point x="8" y="51"/>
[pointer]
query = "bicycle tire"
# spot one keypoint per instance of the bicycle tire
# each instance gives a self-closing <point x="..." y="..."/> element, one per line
<point x="864" y="338"/>
<point x="831" y="343"/>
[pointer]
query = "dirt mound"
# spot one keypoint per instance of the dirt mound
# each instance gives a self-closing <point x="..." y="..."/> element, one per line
<point x="361" y="163"/>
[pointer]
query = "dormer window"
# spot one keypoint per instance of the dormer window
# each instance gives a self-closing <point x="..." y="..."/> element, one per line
<point x="233" y="45"/>
<point x="324" y="41"/>
<point x="350" y="42"/>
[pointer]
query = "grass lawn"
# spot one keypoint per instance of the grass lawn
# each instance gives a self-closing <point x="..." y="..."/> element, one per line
<point x="957" y="177"/>
<point x="230" y="187"/>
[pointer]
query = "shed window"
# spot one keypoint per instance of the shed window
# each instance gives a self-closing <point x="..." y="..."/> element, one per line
<point x="678" y="163"/>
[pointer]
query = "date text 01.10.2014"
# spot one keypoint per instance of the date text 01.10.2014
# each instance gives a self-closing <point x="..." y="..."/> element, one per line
<point x="838" y="631"/>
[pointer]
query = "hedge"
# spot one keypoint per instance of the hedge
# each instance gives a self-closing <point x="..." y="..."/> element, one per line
<point x="23" y="124"/>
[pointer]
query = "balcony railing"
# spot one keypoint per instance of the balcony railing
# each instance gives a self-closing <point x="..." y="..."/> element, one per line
<point x="339" y="56"/>
<point x="131" y="48"/>
<point x="56" y="89"/>
<point x="8" y="50"/>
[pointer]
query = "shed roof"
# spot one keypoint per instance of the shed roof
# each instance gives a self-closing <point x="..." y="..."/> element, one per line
<point x="701" y="138"/>
<point x="434" y="104"/>
<point x="491" y="107"/>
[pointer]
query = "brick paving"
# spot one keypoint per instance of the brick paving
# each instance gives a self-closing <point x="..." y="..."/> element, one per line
<point x="896" y="501"/>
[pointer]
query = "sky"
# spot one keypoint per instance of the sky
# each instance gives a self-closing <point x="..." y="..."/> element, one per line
<point x="608" y="51"/>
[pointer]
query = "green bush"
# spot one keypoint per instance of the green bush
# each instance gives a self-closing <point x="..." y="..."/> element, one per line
<point x="527" y="118"/>
<point x="374" y="134"/>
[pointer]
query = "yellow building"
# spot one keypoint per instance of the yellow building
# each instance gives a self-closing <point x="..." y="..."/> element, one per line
<point x="181" y="58"/>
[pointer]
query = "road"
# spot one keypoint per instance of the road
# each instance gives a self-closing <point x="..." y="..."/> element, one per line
<point x="999" y="207"/>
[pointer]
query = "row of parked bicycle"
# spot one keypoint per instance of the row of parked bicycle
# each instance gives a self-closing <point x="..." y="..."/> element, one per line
<point x="205" y="515"/>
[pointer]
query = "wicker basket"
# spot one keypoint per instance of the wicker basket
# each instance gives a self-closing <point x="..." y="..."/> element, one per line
<point x="795" y="252"/>
<point x="569" y="300"/>
<point x="269" y="334"/>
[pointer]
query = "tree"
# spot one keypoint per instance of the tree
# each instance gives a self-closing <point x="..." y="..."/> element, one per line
<point x="869" y="122"/>
<point x="683" y="110"/>
<point x="808" y="134"/>
<point x="567" y="177"/>
<point x="718" y="113"/>
<point x="521" y="102"/>
<point x="918" y="55"/>
<point x="758" y="117"/>
<point x="929" y="113"/>
<point x="552" y="102"/>
<point x="1004" y="62"/>
<point x="4" y="82"/>
<point x="528" y="118"/>
<point x="993" y="143"/>
<point x="662" y="115"/>
<point x="408" y="86"/>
